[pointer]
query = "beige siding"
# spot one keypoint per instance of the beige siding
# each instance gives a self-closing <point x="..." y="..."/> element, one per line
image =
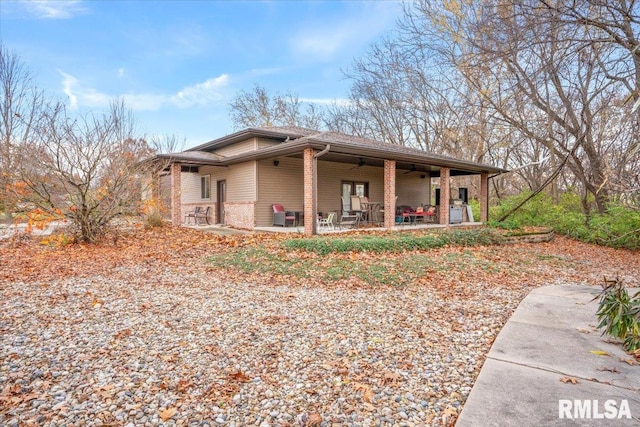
<point x="240" y="179"/>
<point x="241" y="182"/>
<point x="190" y="187"/>
<point x="238" y="148"/>
<point x="282" y="184"/>
<point x="331" y="176"/>
<point x="264" y="143"/>
<point x="411" y="189"/>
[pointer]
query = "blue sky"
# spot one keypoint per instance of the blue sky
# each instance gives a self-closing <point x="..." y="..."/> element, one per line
<point x="177" y="64"/>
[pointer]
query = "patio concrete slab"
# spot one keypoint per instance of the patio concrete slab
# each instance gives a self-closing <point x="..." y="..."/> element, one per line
<point x="549" y="342"/>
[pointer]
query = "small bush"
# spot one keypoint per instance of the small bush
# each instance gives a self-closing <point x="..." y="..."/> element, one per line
<point x="153" y="220"/>
<point x="152" y="211"/>
<point x="618" y="227"/>
<point x="619" y="314"/>
<point x="395" y="243"/>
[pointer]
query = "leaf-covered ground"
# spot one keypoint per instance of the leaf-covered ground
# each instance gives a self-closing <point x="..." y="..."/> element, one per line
<point x="182" y="327"/>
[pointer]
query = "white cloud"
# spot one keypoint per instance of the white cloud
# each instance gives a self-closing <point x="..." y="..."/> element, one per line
<point x="54" y="9"/>
<point x="68" y="83"/>
<point x="121" y="72"/>
<point x="200" y="94"/>
<point x="323" y="40"/>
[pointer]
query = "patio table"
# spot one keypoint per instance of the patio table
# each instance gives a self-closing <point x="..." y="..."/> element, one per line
<point x="413" y="217"/>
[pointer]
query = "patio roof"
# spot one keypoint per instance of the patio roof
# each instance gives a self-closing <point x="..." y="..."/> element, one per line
<point x="342" y="148"/>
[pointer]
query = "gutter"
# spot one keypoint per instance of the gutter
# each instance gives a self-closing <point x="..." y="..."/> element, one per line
<point x="323" y="152"/>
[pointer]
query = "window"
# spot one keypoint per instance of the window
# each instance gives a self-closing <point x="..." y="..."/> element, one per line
<point x="350" y="188"/>
<point x="205" y="187"/>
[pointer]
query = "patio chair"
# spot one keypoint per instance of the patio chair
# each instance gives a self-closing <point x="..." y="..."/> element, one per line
<point x="348" y="217"/>
<point x="327" y="222"/>
<point x="192" y="214"/>
<point x="356" y="207"/>
<point x="202" y="214"/>
<point x="282" y="217"/>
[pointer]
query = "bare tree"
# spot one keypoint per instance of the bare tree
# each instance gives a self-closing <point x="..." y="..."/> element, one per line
<point x="558" y="84"/>
<point x="85" y="169"/>
<point x="260" y="108"/>
<point x="21" y="108"/>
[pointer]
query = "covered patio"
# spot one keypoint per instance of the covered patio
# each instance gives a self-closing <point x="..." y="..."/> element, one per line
<point x="313" y="174"/>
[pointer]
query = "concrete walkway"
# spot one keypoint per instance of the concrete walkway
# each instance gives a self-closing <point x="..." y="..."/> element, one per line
<point x="549" y="342"/>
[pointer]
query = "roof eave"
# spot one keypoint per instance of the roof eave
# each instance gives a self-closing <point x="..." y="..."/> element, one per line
<point x="241" y="136"/>
<point x="380" y="153"/>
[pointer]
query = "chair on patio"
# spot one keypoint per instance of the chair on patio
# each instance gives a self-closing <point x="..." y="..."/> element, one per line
<point x="356" y="207"/>
<point x="202" y="214"/>
<point x="192" y="214"/>
<point x="348" y="217"/>
<point x="327" y="222"/>
<point x="282" y="217"/>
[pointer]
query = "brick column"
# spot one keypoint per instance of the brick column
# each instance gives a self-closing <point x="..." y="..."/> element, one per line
<point x="389" y="193"/>
<point x="176" y="195"/>
<point x="484" y="197"/>
<point x="155" y="186"/>
<point x="445" y="195"/>
<point x="308" y="192"/>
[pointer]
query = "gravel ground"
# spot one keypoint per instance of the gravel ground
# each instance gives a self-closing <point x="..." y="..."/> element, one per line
<point x="194" y="350"/>
<point x="147" y="333"/>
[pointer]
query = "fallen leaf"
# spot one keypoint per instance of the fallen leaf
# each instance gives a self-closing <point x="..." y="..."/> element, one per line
<point x="238" y="375"/>
<point x="629" y="361"/>
<point x="314" y="420"/>
<point x="599" y="353"/>
<point x="368" y="396"/>
<point x="569" y="380"/>
<point x="167" y="413"/>
<point x="614" y="369"/>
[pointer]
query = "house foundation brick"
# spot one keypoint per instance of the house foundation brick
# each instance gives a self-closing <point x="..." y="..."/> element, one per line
<point x="389" y="193"/>
<point x="240" y="214"/>
<point x="445" y="195"/>
<point x="176" y="194"/>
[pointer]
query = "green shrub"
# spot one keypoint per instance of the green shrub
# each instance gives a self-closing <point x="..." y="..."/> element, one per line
<point x="618" y="227"/>
<point x="475" y="208"/>
<point x="619" y="314"/>
<point x="394" y="243"/>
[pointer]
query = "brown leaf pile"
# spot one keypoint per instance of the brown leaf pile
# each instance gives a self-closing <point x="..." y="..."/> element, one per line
<point x="186" y="250"/>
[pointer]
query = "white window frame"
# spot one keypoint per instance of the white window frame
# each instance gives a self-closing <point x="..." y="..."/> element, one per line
<point x="205" y="187"/>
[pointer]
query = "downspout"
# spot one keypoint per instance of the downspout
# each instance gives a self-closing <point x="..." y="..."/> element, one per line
<point x="314" y="189"/>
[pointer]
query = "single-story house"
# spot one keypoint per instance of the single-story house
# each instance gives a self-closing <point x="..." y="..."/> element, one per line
<point x="241" y="175"/>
